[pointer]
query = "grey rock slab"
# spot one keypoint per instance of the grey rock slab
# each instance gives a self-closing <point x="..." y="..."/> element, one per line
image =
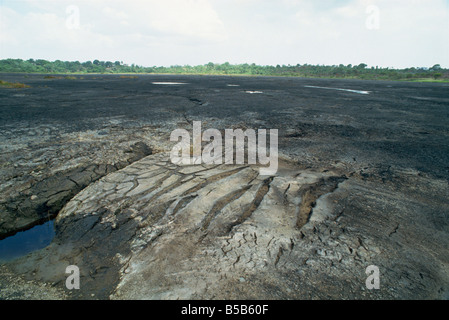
<point x="197" y="238"/>
<point x="43" y="197"/>
<point x="365" y="184"/>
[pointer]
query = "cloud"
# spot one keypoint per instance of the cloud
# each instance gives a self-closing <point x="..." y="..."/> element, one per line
<point x="154" y="32"/>
<point x="36" y="34"/>
<point x="410" y="32"/>
<point x="136" y="29"/>
<point x="189" y="18"/>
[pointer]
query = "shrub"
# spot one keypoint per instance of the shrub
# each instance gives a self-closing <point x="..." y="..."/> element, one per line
<point x="16" y="85"/>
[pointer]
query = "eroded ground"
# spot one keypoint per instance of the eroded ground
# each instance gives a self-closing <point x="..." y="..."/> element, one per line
<point x="363" y="181"/>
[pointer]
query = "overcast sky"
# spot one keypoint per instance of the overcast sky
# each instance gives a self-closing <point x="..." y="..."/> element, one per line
<point x="387" y="33"/>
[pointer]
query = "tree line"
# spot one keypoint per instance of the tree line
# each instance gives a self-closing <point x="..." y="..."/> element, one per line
<point x="360" y="71"/>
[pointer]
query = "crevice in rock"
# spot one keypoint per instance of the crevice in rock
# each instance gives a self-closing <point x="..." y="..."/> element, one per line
<point x="221" y="203"/>
<point x="279" y="255"/>
<point x="172" y="186"/>
<point x="260" y="194"/>
<point x="310" y="193"/>
<point x="212" y="179"/>
<point x="394" y="231"/>
<point x="51" y="194"/>
<point x="183" y="203"/>
<point x="154" y="213"/>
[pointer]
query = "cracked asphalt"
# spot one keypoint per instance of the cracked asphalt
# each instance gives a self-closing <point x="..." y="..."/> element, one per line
<point x="363" y="181"/>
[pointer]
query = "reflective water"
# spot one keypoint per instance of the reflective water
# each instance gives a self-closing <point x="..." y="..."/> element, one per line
<point x="339" y="89"/>
<point x="168" y="83"/>
<point x="27" y="241"/>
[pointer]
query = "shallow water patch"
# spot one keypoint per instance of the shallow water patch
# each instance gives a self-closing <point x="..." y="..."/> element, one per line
<point x="27" y="241"/>
<point x="339" y="89"/>
<point x="168" y="83"/>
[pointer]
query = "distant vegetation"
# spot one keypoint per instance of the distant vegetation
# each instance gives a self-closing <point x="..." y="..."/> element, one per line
<point x="16" y="85"/>
<point x="361" y="71"/>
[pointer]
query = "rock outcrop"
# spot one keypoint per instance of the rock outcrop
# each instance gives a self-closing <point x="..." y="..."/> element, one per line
<point x="41" y="198"/>
<point x="154" y="230"/>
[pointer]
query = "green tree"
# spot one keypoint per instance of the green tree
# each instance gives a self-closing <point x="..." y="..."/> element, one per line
<point x="435" y="67"/>
<point x="362" y="66"/>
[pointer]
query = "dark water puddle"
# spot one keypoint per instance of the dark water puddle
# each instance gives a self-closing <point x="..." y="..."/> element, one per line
<point x="27" y="241"/>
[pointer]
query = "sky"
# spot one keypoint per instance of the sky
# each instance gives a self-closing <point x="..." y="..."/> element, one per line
<point x="384" y="33"/>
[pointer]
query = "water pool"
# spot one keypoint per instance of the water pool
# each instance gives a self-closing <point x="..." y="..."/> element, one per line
<point x="27" y="241"/>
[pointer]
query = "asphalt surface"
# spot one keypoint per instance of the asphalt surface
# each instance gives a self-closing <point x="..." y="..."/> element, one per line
<point x="396" y="124"/>
<point x="378" y="152"/>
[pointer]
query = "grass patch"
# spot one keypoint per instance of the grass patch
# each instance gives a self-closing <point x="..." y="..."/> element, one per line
<point x="16" y="85"/>
<point x="59" y="77"/>
<point x="427" y="80"/>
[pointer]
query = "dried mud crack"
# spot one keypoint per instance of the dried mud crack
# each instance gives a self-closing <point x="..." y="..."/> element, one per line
<point x="185" y="234"/>
<point x="137" y="214"/>
<point x="43" y="199"/>
<point x="310" y="194"/>
<point x="362" y="181"/>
